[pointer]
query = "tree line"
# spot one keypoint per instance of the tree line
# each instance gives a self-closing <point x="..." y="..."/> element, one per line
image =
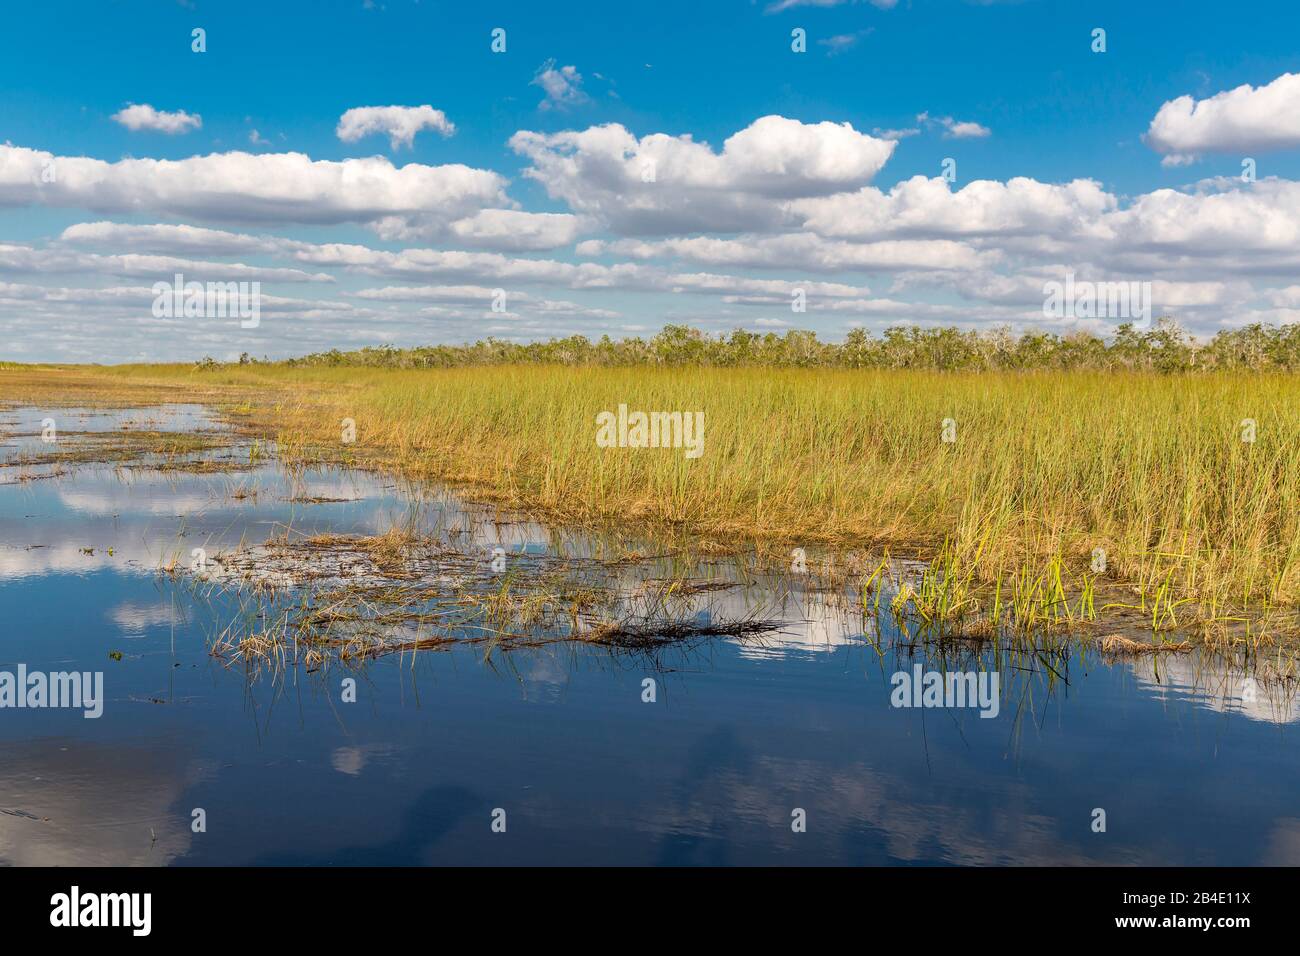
<point x="1165" y="346"/>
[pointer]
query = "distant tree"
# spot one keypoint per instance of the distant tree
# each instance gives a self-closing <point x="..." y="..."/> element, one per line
<point x="1165" y="347"/>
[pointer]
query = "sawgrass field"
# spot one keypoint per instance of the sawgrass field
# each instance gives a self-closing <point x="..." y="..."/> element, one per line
<point x="1180" y="488"/>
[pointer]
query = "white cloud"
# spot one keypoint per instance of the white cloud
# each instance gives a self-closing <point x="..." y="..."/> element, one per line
<point x="23" y="292"/>
<point x="481" y="298"/>
<point x="964" y="130"/>
<point x="505" y="229"/>
<point x="398" y="123"/>
<point x="1183" y="294"/>
<point x="556" y="307"/>
<point x="842" y="42"/>
<point x="954" y="129"/>
<point x="774" y="205"/>
<point x="136" y="117"/>
<point x="667" y="184"/>
<point x="247" y="187"/>
<point x="929" y="207"/>
<point x="466" y="294"/>
<point x="1218" y="232"/>
<point x="801" y="251"/>
<point x="25" y="259"/>
<point x="895" y="134"/>
<point x="1244" y="118"/>
<point x="1246" y="229"/>
<point x="740" y="286"/>
<point x="1288" y="298"/>
<point x="563" y="87"/>
<point x="485" y="267"/>
<point x="511" y="229"/>
<point x="193" y="240"/>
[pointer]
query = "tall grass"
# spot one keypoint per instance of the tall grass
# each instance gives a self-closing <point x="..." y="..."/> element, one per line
<point x="1046" y="465"/>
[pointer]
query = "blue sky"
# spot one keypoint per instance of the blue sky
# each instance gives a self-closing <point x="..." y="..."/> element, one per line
<point x="861" y="221"/>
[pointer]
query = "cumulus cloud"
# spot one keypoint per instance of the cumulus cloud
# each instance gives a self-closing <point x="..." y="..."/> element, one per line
<point x="193" y="240"/>
<point x="1244" y="118"/>
<point x="247" y="187"/>
<point x="1221" y="224"/>
<point x="563" y="87"/>
<point x="398" y="123"/>
<point x="506" y="229"/>
<point x="726" y="285"/>
<point x="21" y="258"/>
<point x="11" y="292"/>
<point x="954" y="129"/>
<point x="663" y="184"/>
<point x="1026" y="289"/>
<point x="501" y="270"/>
<point x="467" y="294"/>
<point x="801" y="251"/>
<point x="142" y="116"/>
<point x="512" y="229"/>
<point x="482" y="297"/>
<point x="1217" y="231"/>
<point x="1257" y="228"/>
<point x="929" y="207"/>
<point x="707" y="233"/>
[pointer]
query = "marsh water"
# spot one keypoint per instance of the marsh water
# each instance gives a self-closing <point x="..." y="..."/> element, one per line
<point x="742" y="733"/>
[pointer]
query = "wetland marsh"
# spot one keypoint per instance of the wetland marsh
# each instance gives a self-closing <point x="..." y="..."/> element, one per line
<point x="229" y="585"/>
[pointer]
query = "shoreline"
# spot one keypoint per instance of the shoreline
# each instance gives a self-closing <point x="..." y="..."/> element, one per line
<point x="964" y="587"/>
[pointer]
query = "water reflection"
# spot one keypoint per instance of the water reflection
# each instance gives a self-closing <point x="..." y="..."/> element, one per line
<point x="67" y="801"/>
<point x="742" y="731"/>
<point x="1218" y="685"/>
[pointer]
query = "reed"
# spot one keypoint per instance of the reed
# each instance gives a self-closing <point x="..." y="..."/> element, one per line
<point x="1046" y="466"/>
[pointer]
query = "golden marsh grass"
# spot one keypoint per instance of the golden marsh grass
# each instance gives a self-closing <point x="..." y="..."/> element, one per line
<point x="1196" y="523"/>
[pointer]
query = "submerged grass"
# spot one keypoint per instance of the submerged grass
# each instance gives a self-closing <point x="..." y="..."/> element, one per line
<point x="350" y="598"/>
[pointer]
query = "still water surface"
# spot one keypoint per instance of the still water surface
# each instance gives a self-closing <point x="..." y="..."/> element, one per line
<point x="741" y="733"/>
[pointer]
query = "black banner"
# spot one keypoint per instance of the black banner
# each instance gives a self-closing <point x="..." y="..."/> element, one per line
<point x="336" y="905"/>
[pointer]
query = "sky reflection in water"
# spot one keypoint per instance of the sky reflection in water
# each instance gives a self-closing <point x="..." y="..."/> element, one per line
<point x="741" y="734"/>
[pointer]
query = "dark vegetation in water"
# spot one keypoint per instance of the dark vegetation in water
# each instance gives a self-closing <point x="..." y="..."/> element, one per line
<point x="312" y="600"/>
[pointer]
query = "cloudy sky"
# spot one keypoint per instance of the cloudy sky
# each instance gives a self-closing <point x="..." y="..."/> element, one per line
<point x="381" y="170"/>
